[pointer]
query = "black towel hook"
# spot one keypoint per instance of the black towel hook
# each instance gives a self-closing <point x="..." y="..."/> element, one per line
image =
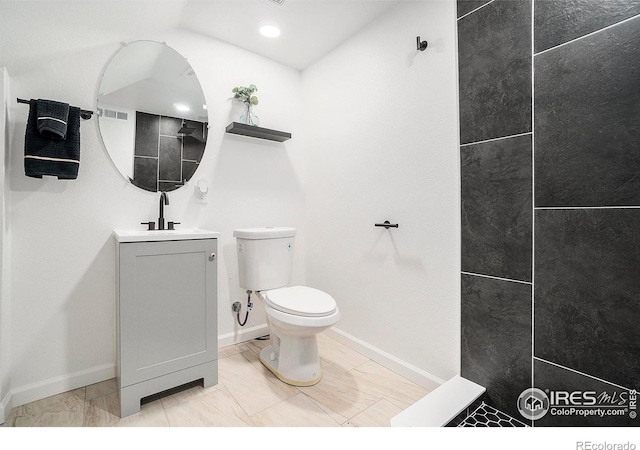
<point x="387" y="225"/>
<point x="421" y="45"/>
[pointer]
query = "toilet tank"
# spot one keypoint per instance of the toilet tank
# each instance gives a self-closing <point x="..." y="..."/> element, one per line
<point x="265" y="257"/>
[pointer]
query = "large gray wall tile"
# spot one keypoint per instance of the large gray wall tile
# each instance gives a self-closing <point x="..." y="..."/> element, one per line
<point x="497" y="208"/>
<point x="587" y="291"/>
<point x="145" y="173"/>
<point x="554" y="378"/>
<point x="559" y="21"/>
<point x="496" y="338"/>
<point x="146" y="139"/>
<point x="587" y="120"/>
<point x="170" y="159"/>
<point x="494" y="46"/>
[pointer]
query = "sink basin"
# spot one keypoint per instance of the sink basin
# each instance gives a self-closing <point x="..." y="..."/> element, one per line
<point x="163" y="235"/>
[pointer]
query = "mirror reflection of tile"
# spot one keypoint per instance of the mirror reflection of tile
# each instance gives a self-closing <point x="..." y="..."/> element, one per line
<point x="164" y="157"/>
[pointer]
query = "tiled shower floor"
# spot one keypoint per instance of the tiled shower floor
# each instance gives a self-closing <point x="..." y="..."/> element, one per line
<point x="487" y="416"/>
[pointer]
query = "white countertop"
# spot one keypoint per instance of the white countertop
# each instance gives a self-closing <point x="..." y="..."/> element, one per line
<point x="164" y="235"/>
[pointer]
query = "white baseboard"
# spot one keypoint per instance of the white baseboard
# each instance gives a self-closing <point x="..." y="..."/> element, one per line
<point x="31" y="392"/>
<point x="243" y="335"/>
<point x="402" y="368"/>
<point x="63" y="383"/>
<point x="35" y="391"/>
<point x="5" y="406"/>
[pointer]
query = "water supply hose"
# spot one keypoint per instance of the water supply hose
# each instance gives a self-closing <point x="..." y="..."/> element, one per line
<point x="249" y="306"/>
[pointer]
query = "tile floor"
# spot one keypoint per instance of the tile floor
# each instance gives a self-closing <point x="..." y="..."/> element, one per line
<point x="354" y="392"/>
<point x="488" y="416"/>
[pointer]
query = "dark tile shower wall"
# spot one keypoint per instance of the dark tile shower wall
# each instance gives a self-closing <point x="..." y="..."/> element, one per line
<point x="550" y="156"/>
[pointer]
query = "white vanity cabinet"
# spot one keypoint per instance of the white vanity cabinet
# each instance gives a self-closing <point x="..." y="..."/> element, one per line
<point x="166" y="313"/>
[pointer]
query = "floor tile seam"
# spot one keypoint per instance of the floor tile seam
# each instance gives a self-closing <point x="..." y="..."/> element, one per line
<point x="321" y="405"/>
<point x="101" y="396"/>
<point x="336" y="366"/>
<point x="84" y="405"/>
<point x="315" y="402"/>
<point x="250" y="348"/>
<point x="237" y="353"/>
<point x="362" y="364"/>
<point x="110" y="422"/>
<point x="164" y="411"/>
<point x="235" y="399"/>
<point x="376" y="392"/>
<point x="376" y="398"/>
<point x="84" y="410"/>
<point x="371" y="406"/>
<point x="396" y="402"/>
<point x="251" y="416"/>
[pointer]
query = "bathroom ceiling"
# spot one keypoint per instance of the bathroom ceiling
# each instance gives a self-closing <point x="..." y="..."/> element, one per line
<point x="310" y="28"/>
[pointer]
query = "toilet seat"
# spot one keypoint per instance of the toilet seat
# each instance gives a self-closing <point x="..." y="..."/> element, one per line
<point x="300" y="301"/>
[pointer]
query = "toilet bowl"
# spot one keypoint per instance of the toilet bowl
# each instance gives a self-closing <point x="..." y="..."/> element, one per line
<point x="295" y="314"/>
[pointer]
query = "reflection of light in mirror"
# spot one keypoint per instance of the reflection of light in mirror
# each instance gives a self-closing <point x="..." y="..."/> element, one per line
<point x="270" y="31"/>
<point x="181" y="107"/>
<point x="204" y="106"/>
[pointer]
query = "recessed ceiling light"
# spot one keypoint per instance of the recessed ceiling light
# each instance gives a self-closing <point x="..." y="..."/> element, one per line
<point x="181" y="107"/>
<point x="270" y="31"/>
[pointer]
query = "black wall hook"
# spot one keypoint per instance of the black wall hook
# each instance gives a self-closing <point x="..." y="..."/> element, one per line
<point x="421" y="45"/>
<point x="387" y="225"/>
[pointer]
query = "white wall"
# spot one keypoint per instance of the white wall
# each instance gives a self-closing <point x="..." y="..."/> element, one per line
<point x="381" y="144"/>
<point x="5" y="246"/>
<point x="119" y="136"/>
<point x="62" y="296"/>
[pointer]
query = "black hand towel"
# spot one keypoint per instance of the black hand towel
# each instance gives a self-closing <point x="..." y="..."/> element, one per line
<point x="52" y="118"/>
<point x="55" y="157"/>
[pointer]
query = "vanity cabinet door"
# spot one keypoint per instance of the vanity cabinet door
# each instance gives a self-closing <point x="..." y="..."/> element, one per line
<point x="167" y="307"/>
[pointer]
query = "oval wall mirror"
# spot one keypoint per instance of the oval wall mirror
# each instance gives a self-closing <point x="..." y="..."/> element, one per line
<point x="152" y="115"/>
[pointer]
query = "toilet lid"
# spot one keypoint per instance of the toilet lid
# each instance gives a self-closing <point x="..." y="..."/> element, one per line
<point x="301" y="301"/>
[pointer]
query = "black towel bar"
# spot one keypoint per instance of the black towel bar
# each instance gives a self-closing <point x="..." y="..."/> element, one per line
<point x="387" y="225"/>
<point x="83" y="112"/>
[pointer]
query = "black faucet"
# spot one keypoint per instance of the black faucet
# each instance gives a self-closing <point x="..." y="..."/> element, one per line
<point x="164" y="200"/>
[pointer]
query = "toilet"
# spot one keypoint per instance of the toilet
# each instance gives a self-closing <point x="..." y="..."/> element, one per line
<point x="295" y="314"/>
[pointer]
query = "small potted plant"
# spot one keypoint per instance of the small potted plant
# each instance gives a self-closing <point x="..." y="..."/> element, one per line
<point x="247" y="97"/>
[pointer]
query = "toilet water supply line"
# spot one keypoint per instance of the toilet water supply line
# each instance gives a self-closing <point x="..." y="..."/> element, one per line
<point x="237" y="307"/>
